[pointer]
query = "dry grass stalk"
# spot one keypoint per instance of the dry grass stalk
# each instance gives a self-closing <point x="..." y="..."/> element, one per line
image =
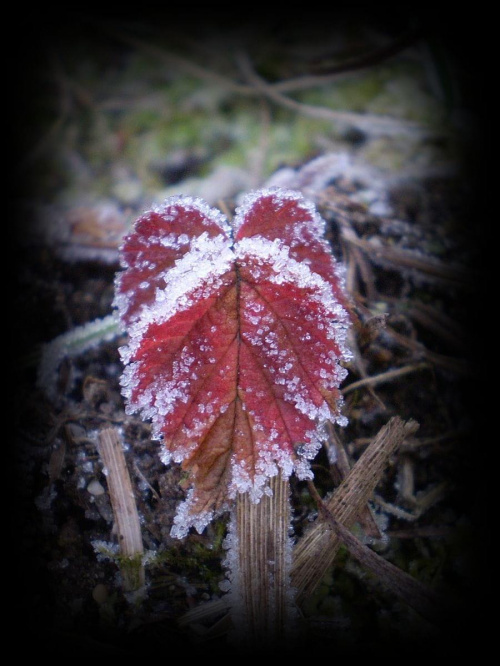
<point x="421" y="598"/>
<point x="263" y="604"/>
<point x="383" y="377"/>
<point x="401" y="259"/>
<point x="339" y="470"/>
<point x="369" y="122"/>
<point x="124" y="507"/>
<point x="316" y="550"/>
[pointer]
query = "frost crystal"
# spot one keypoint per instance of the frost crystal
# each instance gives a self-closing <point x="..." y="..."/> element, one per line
<point x="70" y="344"/>
<point x="236" y="336"/>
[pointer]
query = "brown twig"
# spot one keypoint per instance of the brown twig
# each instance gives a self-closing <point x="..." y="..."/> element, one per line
<point x="438" y="323"/>
<point x="366" y="121"/>
<point x="383" y="377"/>
<point x="456" y="365"/>
<point x="421" y="598"/>
<point x="361" y="369"/>
<point x="357" y="63"/>
<point x="316" y="550"/>
<point x="430" y="267"/>
<point x="274" y="91"/>
<point x="340" y="469"/>
<point x="451" y="364"/>
<point x="121" y="493"/>
<point x="372" y="57"/>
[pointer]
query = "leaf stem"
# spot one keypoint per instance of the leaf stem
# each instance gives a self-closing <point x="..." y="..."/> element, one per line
<point x="262" y="608"/>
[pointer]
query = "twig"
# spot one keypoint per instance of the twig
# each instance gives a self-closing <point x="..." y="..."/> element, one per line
<point x="438" y="323"/>
<point x="361" y="368"/>
<point x="274" y="91"/>
<point x="449" y="363"/>
<point x="373" y="57"/>
<point x="316" y="550"/>
<point x="384" y="377"/>
<point x="366" y="121"/>
<point x="186" y="65"/>
<point x="145" y="481"/>
<point x="430" y="267"/>
<point x="340" y="469"/>
<point x="422" y="599"/>
<point x="423" y="502"/>
<point x="124" y="507"/>
<point x="259" y="86"/>
<point x="298" y="83"/>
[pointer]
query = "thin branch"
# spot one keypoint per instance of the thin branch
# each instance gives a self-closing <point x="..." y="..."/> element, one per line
<point x="340" y="468"/>
<point x="384" y="377"/>
<point x="375" y="56"/>
<point x="421" y="598"/>
<point x="366" y="121"/>
<point x="455" y="365"/>
<point x="369" y="122"/>
<point x="357" y="63"/>
<point x="186" y="65"/>
<point x="124" y="509"/>
<point x="431" y="267"/>
<point x="315" y="552"/>
<point x="439" y="323"/>
<point x="361" y="368"/>
<point x="274" y="91"/>
<point x="451" y="364"/>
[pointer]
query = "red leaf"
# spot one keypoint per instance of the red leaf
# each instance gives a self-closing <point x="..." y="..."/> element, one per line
<point x="234" y="344"/>
<point x="161" y="237"/>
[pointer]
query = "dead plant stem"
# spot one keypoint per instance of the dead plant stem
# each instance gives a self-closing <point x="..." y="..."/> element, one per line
<point x="124" y="507"/>
<point x="316" y="550"/>
<point x="421" y="598"/>
<point x="263" y="559"/>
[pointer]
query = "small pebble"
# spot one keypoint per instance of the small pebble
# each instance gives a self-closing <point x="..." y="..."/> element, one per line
<point x="100" y="593"/>
<point x="95" y="488"/>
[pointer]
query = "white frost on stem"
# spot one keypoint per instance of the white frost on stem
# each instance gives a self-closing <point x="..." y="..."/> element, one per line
<point x="71" y="344"/>
<point x="258" y="563"/>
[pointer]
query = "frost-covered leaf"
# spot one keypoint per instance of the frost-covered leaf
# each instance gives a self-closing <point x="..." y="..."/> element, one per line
<point x="235" y="341"/>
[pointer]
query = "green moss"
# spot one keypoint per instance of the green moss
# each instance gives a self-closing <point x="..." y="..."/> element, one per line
<point x="136" y="114"/>
<point x="132" y="571"/>
<point x="352" y="94"/>
<point x="197" y="561"/>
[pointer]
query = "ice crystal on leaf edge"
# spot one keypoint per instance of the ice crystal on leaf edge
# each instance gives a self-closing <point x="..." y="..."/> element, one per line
<point x="238" y="326"/>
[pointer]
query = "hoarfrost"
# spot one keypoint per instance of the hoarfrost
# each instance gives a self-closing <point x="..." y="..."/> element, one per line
<point x="197" y="273"/>
<point x="71" y="344"/>
<point x="233" y="584"/>
<point x="105" y="550"/>
<point x="206" y="263"/>
<point x="278" y="196"/>
<point x="255" y="251"/>
<point x="186" y="519"/>
<point x="172" y="204"/>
